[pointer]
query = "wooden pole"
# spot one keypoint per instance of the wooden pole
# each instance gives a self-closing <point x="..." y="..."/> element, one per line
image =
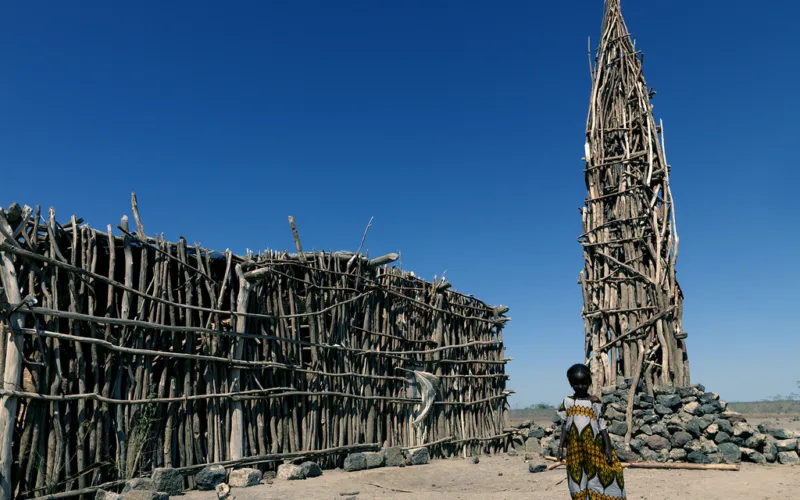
<point x="13" y="364"/>
<point x="236" y="449"/>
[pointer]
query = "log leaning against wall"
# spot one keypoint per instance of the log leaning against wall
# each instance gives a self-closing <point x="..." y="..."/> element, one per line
<point x="126" y="352"/>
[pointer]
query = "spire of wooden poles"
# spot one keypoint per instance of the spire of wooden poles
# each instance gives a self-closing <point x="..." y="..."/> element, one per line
<point x="632" y="301"/>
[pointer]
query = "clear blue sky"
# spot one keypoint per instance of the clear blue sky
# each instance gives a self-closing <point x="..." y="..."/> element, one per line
<point x="458" y="125"/>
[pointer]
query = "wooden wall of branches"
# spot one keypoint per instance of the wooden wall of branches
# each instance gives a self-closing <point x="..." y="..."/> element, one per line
<point x="140" y="353"/>
<point x="633" y="304"/>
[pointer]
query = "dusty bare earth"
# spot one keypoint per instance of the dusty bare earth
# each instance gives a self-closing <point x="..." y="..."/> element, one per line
<point x="503" y="477"/>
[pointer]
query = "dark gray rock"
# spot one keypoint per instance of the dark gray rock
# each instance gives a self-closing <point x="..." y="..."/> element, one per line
<point x="357" y="461"/>
<point x="618" y="428"/>
<point x="674" y="427"/>
<point x="637" y="444"/>
<point x="695" y="457"/>
<point x="716" y="458"/>
<point x="680" y="439"/>
<point x="613" y="414"/>
<point x="756" y="441"/>
<point x="139" y="484"/>
<point x="731" y="452"/>
<point x="650" y="417"/>
<point x="753" y="456"/>
<point x="700" y="387"/>
<point x="244" y="477"/>
<point x="722" y="437"/>
<point x="778" y="433"/>
<point x="649" y="455"/>
<point x="737" y="441"/>
<point x="626" y="455"/>
<point x="512" y="452"/>
<point x="646" y="430"/>
<point x="693" y="445"/>
<point x="526" y="424"/>
<point x="686" y="392"/>
<point x="394" y="457"/>
<point x="788" y="458"/>
<point x="769" y="450"/>
<point x="419" y="456"/>
<point x="669" y="400"/>
<point x="664" y="389"/>
<point x="536" y="468"/>
<point x="661" y="430"/>
<point x="693" y="428"/>
<point x="375" y="459"/>
<point x="663" y="410"/>
<point x="536" y="432"/>
<point x="168" y="480"/>
<point x="657" y="443"/>
<point x="724" y="425"/>
<point x="608" y="399"/>
<point x="708" y="397"/>
<point x="678" y="454"/>
<point x="312" y="469"/>
<point x="713" y="407"/>
<point x="705" y="421"/>
<point x="209" y="477"/>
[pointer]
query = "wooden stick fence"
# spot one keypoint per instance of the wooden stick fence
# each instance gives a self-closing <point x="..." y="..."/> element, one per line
<point x="122" y="353"/>
<point x="633" y="304"/>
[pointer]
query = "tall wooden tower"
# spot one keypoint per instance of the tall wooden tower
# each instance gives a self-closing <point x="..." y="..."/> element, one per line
<point x="633" y="304"/>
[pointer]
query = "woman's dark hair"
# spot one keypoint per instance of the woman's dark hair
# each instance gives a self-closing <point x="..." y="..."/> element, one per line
<point x="575" y="370"/>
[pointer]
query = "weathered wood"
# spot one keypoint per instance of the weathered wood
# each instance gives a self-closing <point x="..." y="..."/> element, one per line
<point x="629" y="232"/>
<point x="13" y="365"/>
<point x="193" y="363"/>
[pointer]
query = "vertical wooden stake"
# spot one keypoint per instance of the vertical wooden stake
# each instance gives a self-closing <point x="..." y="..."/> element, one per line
<point x="236" y="448"/>
<point x="12" y="372"/>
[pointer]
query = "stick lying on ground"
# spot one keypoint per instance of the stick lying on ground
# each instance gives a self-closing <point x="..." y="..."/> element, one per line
<point x="657" y="465"/>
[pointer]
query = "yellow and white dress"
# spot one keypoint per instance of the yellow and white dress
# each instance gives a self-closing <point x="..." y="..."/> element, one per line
<point x="589" y="475"/>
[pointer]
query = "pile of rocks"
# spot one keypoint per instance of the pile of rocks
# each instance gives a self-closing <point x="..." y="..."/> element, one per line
<point x="684" y="424"/>
<point x="166" y="482"/>
<point x="387" y="457"/>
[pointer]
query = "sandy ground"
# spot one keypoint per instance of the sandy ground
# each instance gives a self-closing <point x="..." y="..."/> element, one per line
<point x="503" y="477"/>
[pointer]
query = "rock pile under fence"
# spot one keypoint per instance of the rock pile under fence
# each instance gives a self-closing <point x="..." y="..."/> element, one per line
<point x="685" y="424"/>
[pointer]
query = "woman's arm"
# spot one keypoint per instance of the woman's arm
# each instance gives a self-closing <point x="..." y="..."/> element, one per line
<point x="561" y="450"/>
<point x="607" y="442"/>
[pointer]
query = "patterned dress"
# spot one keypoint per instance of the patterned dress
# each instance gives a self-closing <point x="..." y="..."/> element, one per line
<point x="589" y="475"/>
